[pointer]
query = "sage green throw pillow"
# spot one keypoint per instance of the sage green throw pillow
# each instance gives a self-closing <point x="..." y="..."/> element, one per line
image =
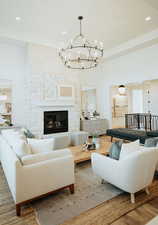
<point x="151" y="142"/>
<point x="115" y="149"/>
<point x="27" y="133"/>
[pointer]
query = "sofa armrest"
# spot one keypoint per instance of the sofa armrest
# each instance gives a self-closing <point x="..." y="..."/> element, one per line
<point x="43" y="177"/>
<point x="39" y="157"/>
<point x="111" y="170"/>
<point x="104" y="166"/>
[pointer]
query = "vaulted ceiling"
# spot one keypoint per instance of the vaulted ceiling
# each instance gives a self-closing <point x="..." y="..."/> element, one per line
<point x="51" y="21"/>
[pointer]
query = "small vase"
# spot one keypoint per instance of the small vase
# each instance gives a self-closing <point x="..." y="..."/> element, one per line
<point x="97" y="145"/>
<point x="96" y="141"/>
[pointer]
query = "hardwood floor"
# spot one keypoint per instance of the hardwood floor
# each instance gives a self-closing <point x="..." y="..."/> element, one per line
<point x="141" y="215"/>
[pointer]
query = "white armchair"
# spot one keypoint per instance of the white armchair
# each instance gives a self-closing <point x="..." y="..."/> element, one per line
<point x="131" y="174"/>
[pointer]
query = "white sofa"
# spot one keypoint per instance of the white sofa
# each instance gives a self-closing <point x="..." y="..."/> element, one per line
<point x="131" y="173"/>
<point x="36" y="175"/>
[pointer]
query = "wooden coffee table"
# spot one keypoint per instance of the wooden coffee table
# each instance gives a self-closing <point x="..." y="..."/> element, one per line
<point x="81" y="155"/>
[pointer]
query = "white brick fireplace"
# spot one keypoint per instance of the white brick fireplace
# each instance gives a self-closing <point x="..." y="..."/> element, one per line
<point x="46" y="73"/>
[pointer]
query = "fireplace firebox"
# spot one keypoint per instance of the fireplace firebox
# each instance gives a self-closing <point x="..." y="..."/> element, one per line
<point x="55" y="122"/>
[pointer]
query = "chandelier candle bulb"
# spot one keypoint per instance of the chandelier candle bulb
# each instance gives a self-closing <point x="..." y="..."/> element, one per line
<point x="95" y="43"/>
<point x="101" y="45"/>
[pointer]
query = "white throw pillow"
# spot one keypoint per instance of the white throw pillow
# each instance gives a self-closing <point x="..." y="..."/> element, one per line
<point x="11" y="136"/>
<point x="41" y="145"/>
<point x="129" y="148"/>
<point x="21" y="148"/>
<point x="20" y="134"/>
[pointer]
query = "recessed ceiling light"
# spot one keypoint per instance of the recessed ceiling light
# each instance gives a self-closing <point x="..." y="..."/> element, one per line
<point x="148" y="18"/>
<point x="63" y="32"/>
<point x="18" y="18"/>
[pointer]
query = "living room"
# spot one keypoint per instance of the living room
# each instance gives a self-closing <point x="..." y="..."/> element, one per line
<point x="39" y="82"/>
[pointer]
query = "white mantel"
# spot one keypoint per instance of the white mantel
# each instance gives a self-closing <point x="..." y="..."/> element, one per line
<point x="55" y="104"/>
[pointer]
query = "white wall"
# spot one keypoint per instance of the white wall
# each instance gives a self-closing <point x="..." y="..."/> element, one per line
<point x="135" y="67"/>
<point x="45" y="67"/>
<point x="28" y="66"/>
<point x="137" y="101"/>
<point x="130" y="68"/>
<point x="154" y="96"/>
<point x="93" y="78"/>
<point x="13" y="68"/>
<point x="24" y="65"/>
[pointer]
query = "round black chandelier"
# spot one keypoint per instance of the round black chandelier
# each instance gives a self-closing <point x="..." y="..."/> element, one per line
<point x="80" y="53"/>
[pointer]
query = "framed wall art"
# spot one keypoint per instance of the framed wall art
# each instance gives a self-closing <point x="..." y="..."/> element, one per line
<point x="66" y="92"/>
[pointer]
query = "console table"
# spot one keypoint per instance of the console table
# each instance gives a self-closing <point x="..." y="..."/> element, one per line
<point x="98" y="126"/>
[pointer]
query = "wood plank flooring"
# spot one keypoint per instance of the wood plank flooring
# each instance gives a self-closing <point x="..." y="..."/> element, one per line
<point x="141" y="215"/>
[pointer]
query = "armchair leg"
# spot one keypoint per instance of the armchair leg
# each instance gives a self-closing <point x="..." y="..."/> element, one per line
<point x="72" y="188"/>
<point x="132" y="198"/>
<point x="18" y="210"/>
<point x="147" y="190"/>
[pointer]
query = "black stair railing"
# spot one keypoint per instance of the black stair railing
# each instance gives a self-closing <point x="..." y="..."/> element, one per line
<point x="143" y="121"/>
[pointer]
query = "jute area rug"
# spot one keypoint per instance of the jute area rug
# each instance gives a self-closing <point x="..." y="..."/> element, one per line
<point x="89" y="192"/>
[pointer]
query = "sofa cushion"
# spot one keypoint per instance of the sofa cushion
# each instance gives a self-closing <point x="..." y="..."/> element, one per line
<point x="115" y="149"/>
<point x="11" y="136"/>
<point x="41" y="145"/>
<point x="144" y="148"/>
<point x="61" y="141"/>
<point x="151" y="142"/>
<point x="129" y="148"/>
<point x="39" y="157"/>
<point x="21" y="148"/>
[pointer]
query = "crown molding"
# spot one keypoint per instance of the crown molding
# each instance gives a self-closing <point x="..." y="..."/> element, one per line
<point x="11" y="41"/>
<point x="133" y="44"/>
